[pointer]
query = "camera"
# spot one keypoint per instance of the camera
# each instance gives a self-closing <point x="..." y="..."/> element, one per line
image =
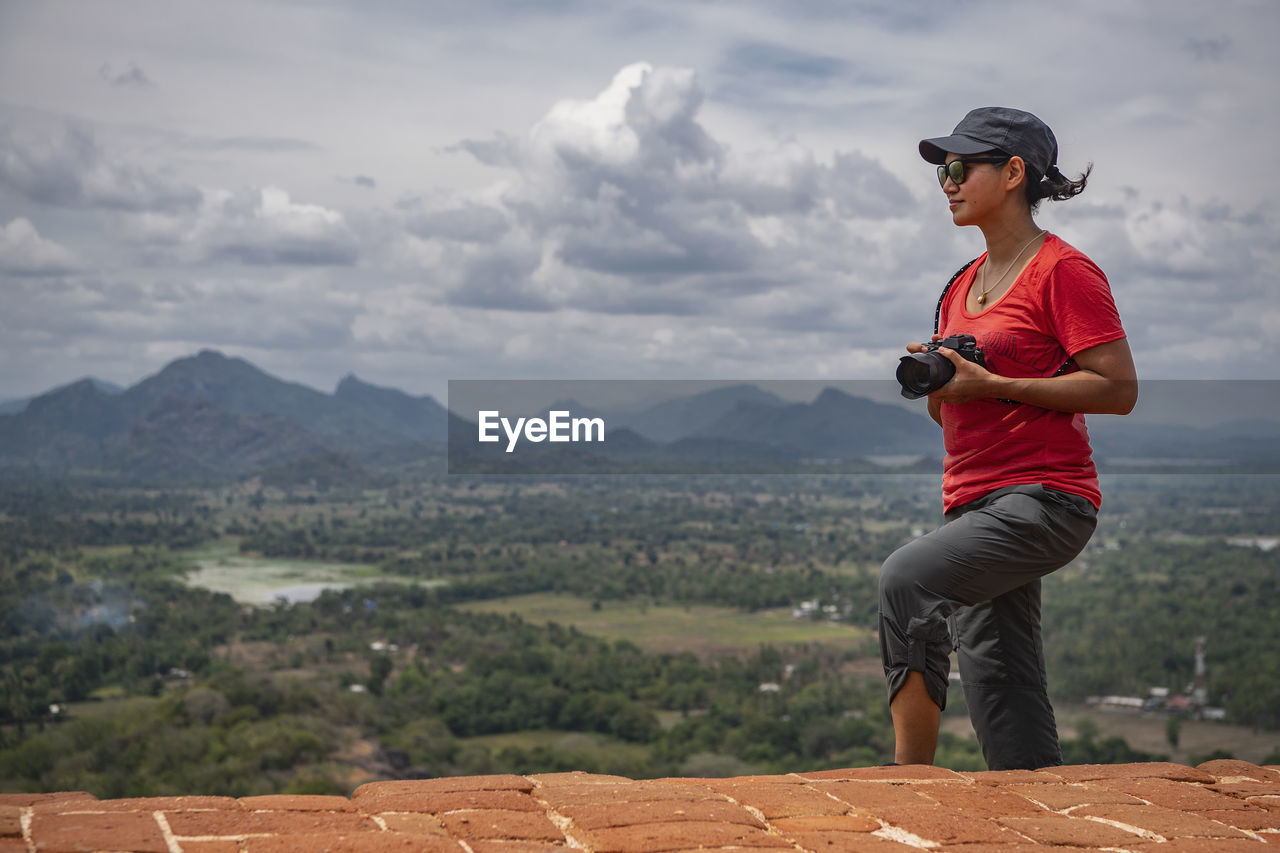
<point x="922" y="373"/>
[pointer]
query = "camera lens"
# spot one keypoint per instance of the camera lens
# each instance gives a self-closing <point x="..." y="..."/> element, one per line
<point x="923" y="372"/>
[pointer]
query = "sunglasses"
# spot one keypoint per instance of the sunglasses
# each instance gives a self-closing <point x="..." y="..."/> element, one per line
<point x="956" y="172"/>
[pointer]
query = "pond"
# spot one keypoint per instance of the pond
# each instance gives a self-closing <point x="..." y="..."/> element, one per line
<point x="264" y="580"/>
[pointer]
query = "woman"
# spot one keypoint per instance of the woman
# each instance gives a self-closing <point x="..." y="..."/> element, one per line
<point x="1020" y="492"/>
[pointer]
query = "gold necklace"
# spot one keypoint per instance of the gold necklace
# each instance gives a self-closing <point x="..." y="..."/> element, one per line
<point x="984" y="290"/>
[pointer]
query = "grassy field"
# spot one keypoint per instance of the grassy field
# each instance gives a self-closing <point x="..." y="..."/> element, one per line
<point x="1147" y="733"/>
<point x="701" y="629"/>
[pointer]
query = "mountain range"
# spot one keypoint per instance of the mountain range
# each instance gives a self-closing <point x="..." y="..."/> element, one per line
<point x="210" y="418"/>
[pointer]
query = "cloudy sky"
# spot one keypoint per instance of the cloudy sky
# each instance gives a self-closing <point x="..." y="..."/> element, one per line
<point x="418" y="191"/>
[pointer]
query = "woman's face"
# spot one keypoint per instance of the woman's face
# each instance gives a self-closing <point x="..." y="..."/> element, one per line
<point x="981" y="194"/>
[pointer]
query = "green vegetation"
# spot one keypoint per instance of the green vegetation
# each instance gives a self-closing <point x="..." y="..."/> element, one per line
<point x="637" y="626"/>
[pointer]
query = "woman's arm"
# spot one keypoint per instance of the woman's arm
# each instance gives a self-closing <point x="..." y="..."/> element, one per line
<point x="1106" y="383"/>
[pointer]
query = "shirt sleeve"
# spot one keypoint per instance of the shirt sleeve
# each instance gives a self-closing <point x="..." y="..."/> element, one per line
<point x="1080" y="308"/>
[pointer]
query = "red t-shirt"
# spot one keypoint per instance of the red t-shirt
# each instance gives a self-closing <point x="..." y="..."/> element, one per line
<point x="1060" y="305"/>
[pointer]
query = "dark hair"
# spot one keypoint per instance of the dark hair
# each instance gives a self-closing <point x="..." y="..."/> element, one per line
<point x="1055" y="186"/>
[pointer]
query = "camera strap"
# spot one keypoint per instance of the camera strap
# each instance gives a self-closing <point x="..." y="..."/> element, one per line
<point x="937" y="319"/>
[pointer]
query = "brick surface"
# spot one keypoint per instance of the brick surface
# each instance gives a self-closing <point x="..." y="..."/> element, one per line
<point x="659" y="837"/>
<point x="1219" y="807"/>
<point x="1228" y="768"/>
<point x="497" y="824"/>
<point x="1166" y="822"/>
<point x="908" y="773"/>
<point x="944" y="825"/>
<point x="296" y="803"/>
<point x="1072" y="831"/>
<point x="872" y="795"/>
<point x="1201" y="845"/>
<point x="10" y="821"/>
<point x="1254" y="819"/>
<point x="421" y="824"/>
<point x="633" y="792"/>
<point x="516" y="801"/>
<point x="71" y="833"/>
<point x="239" y="822"/>
<point x="385" y="842"/>
<point x="515" y="847"/>
<point x="32" y="799"/>
<point x="981" y="800"/>
<point x="1184" y="796"/>
<point x="598" y="816"/>
<point x="1152" y="770"/>
<point x="1245" y="789"/>
<point x="826" y="823"/>
<point x="1011" y="777"/>
<point x="138" y="804"/>
<point x="782" y="800"/>
<point x="498" y="782"/>
<point x="575" y="777"/>
<point x="1061" y="796"/>
<point x="1266" y="801"/>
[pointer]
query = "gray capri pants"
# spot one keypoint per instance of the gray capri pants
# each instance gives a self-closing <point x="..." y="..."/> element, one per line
<point x="974" y="585"/>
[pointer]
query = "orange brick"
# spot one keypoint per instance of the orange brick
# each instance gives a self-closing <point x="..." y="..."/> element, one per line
<point x="1202" y="845"/>
<point x="659" y="837"/>
<point x="906" y="773"/>
<point x="575" y="777"/>
<point x="1151" y="770"/>
<point x="1070" y="831"/>
<point x="1016" y="847"/>
<point x="380" y="842"/>
<point x="826" y="823"/>
<point x="515" y="847"/>
<point x="1226" y="768"/>
<point x="497" y="824"/>
<point x="448" y="784"/>
<point x="981" y="800"/>
<point x="1182" y="796"/>
<point x="1166" y="822"/>
<point x="598" y="816"/>
<point x="33" y="799"/>
<point x="13" y="845"/>
<point x="515" y="801"/>
<point x="632" y="792"/>
<point x="872" y="795"/>
<point x="1250" y="818"/>
<point x="296" y="803"/>
<point x="138" y="804"/>
<point x="1011" y="777"/>
<point x="119" y="831"/>
<point x="226" y="846"/>
<point x="421" y="824"/>
<point x="1269" y="802"/>
<point x="943" y="825"/>
<point x="1244" y="790"/>
<point x="782" y="800"/>
<point x="10" y="821"/>
<point x="1065" y="796"/>
<point x="200" y="824"/>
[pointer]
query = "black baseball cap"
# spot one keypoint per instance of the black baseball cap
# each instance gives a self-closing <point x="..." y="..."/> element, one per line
<point x="1015" y="132"/>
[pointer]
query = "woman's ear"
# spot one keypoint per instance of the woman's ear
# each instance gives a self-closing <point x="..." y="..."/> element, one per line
<point x="1017" y="172"/>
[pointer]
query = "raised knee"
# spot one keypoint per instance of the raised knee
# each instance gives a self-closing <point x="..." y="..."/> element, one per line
<point x="896" y="578"/>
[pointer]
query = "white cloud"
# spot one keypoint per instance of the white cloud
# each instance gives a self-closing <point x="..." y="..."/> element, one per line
<point x="24" y="252"/>
<point x="65" y="167"/>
